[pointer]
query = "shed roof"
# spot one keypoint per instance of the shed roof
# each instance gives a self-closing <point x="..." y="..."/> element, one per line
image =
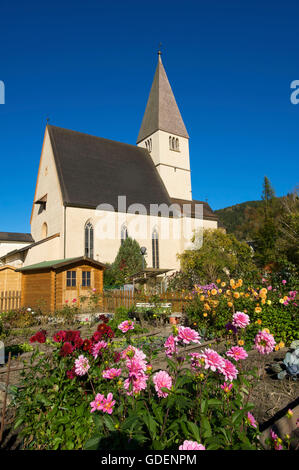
<point x="59" y="263"/>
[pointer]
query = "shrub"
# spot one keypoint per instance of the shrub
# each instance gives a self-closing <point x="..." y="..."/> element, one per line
<point x="276" y="309"/>
<point x="86" y="391"/>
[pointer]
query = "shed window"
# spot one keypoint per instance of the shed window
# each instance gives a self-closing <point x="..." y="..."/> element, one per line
<point x="85" y="278"/>
<point x="71" y="279"/>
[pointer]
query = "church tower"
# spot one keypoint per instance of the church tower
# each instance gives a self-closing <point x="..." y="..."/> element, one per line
<point x="164" y="134"/>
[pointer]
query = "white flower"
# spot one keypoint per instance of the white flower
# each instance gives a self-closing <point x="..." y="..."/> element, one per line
<point x="28" y="309"/>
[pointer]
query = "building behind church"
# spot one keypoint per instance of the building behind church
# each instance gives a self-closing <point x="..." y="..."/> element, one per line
<point x="92" y="193"/>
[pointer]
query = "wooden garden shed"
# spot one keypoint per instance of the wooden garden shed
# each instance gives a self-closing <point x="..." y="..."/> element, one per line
<point x="51" y="284"/>
<point x="10" y="279"/>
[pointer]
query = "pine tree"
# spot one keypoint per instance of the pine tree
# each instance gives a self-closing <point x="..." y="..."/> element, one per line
<point x="128" y="261"/>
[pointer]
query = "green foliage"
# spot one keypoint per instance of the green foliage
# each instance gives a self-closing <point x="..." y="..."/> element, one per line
<point x="128" y="261"/>
<point x="220" y="253"/>
<point x="212" y="312"/>
<point x="52" y="411"/>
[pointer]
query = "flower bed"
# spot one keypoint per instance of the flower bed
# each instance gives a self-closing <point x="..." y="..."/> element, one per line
<point x="95" y="393"/>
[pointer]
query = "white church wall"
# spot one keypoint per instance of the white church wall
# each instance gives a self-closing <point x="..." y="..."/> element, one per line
<point x="174" y="236"/>
<point x="48" y="251"/>
<point x="47" y="183"/>
<point x="6" y="247"/>
<point x="173" y="165"/>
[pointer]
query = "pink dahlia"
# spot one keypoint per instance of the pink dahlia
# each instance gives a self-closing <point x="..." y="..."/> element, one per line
<point x="241" y="320"/>
<point x="196" y="360"/>
<point x="111" y="373"/>
<point x="213" y="360"/>
<point x="126" y="326"/>
<point x="226" y="387"/>
<point x="264" y="342"/>
<point x="191" y="445"/>
<point x="107" y="404"/>
<point x="81" y="365"/>
<point x="237" y="353"/>
<point x="187" y="335"/>
<point x="162" y="379"/>
<point x="97" y="403"/>
<point x="251" y="420"/>
<point x="170" y="346"/>
<point x="97" y="348"/>
<point x="135" y="383"/>
<point x="229" y="371"/>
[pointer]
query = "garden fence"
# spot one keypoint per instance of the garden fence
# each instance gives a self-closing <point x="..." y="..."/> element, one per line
<point x="113" y="300"/>
<point x="9" y="300"/>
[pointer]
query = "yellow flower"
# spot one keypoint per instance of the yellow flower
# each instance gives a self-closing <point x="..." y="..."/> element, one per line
<point x="220" y="291"/>
<point x="207" y="307"/>
<point x="229" y="304"/>
<point x="263" y="301"/>
<point x="240" y="282"/>
<point x="259" y="321"/>
<point x="213" y="292"/>
<point x="269" y="302"/>
<point x="263" y="291"/>
<point x="223" y="284"/>
<point x="205" y="314"/>
<point x="276" y="347"/>
<point x="228" y="292"/>
<point x="232" y="282"/>
<point x="236" y="295"/>
<point x="257" y="309"/>
<point x="281" y="344"/>
<point x="218" y="280"/>
<point x="202" y="298"/>
<point x="266" y="330"/>
<point x="246" y="295"/>
<point x="281" y="301"/>
<point x="240" y="342"/>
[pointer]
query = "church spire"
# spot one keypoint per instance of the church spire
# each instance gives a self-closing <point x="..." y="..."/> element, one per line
<point x="162" y="112"/>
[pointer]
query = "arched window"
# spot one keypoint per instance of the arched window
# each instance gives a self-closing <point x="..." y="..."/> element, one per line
<point x="88" y="240"/>
<point x="44" y="230"/>
<point x="177" y="146"/>
<point x="155" y="248"/>
<point x="170" y="142"/>
<point x="123" y="234"/>
<point x="173" y="143"/>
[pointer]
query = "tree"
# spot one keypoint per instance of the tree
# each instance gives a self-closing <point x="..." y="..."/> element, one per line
<point x="268" y="193"/>
<point x="220" y="253"/>
<point x="128" y="261"/>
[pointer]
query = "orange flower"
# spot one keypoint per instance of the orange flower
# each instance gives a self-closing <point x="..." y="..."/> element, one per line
<point x="236" y="295"/>
<point x="240" y="342"/>
<point x="213" y="292"/>
<point x="257" y="309"/>
<point x="230" y="304"/>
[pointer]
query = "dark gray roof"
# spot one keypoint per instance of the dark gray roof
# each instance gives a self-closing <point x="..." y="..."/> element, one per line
<point x="16" y="237"/>
<point x="162" y="112"/>
<point x="190" y="210"/>
<point x="93" y="170"/>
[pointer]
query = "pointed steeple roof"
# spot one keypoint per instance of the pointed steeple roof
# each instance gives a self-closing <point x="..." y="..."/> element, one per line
<point x="162" y="112"/>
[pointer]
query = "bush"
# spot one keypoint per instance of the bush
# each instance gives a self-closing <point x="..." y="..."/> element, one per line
<point x="273" y="308"/>
<point x="86" y="394"/>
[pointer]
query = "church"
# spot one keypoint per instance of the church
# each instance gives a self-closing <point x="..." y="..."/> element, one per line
<point x="92" y="193"/>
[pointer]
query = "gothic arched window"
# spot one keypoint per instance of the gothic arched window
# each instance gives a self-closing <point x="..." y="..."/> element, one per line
<point x="155" y="248"/>
<point x="123" y="234"/>
<point x="170" y="142"/>
<point x="44" y="230"/>
<point x="177" y="146"/>
<point x="88" y="240"/>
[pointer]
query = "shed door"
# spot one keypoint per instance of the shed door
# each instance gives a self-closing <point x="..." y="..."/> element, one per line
<point x="79" y="282"/>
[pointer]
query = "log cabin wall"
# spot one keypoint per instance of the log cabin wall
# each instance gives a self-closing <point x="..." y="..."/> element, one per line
<point x="37" y="290"/>
<point x="10" y="280"/>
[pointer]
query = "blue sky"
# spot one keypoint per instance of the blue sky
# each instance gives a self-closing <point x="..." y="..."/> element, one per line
<point x="89" y="66"/>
